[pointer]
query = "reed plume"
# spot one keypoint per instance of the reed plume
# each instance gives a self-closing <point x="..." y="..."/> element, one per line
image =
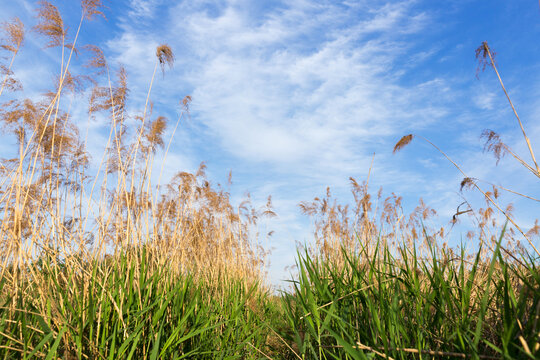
<point x="51" y="25"/>
<point x="404" y="141"/>
<point x="12" y="40"/>
<point x="165" y="56"/>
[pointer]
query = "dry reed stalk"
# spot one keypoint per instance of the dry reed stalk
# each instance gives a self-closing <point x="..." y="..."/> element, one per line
<point x="481" y="52"/>
<point x="423" y="352"/>
<point x="14" y="31"/>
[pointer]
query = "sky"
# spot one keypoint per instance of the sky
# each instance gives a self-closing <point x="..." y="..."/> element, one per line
<point x="294" y="96"/>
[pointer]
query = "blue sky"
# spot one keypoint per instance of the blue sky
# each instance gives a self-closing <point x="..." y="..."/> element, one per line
<point x="295" y="96"/>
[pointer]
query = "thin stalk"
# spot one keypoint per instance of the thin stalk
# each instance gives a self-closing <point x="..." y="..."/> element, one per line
<point x="486" y="48"/>
<point x="486" y="195"/>
<point x="9" y="68"/>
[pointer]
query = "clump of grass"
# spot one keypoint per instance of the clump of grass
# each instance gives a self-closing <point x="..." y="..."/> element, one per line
<point x="375" y="284"/>
<point x="129" y="306"/>
<point x="400" y="305"/>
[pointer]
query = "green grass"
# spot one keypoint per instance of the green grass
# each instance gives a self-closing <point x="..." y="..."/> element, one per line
<point x="124" y="309"/>
<point x="396" y="304"/>
<point x="405" y="306"/>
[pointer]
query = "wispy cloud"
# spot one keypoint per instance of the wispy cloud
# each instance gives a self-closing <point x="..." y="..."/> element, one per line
<point x="268" y="97"/>
<point x="143" y="9"/>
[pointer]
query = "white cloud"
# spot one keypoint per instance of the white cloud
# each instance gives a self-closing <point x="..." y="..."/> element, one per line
<point x="485" y="100"/>
<point x="143" y="9"/>
<point x="268" y="98"/>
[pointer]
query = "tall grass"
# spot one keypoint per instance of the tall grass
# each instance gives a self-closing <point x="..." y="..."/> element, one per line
<point x="98" y="260"/>
<point x="399" y="305"/>
<point x="128" y="307"/>
<point x="104" y="265"/>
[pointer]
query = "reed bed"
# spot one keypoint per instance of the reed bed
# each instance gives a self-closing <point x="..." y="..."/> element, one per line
<point x="101" y="261"/>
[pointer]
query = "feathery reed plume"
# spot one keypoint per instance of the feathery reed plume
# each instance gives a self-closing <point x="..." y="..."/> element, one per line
<point x="91" y="8"/>
<point x="111" y="99"/>
<point x="154" y="134"/>
<point x="12" y="42"/>
<point x="404" y="141"/>
<point x="165" y="56"/>
<point x="73" y="83"/>
<point x="50" y="24"/>
<point x="186" y="101"/>
<point x="10" y="83"/>
<point x="485" y="57"/>
<point x="494" y="144"/>
<point x="267" y="210"/>
<point x="14" y="31"/>
<point x="535" y="230"/>
<point x="467" y="183"/>
<point x="97" y="60"/>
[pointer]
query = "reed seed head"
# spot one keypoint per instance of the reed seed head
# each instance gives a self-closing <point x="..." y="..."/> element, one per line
<point x="494" y="144"/>
<point x="186" y="101"/>
<point x="404" y="141"/>
<point x="165" y="56"/>
<point x="155" y="132"/>
<point x="14" y="35"/>
<point x="91" y="8"/>
<point x="535" y="230"/>
<point x="97" y="60"/>
<point x="50" y="24"/>
<point x="10" y="82"/>
<point x="467" y="183"/>
<point x="482" y="54"/>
